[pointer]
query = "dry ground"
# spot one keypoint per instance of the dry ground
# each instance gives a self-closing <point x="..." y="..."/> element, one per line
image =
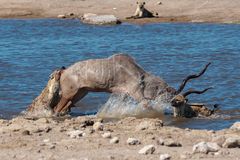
<point x="47" y="138"/>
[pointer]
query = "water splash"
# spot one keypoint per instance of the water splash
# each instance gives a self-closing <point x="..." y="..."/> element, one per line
<point x="122" y="105"/>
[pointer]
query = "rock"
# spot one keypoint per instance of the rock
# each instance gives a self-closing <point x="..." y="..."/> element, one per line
<point x="2" y="121"/>
<point x="159" y="3"/>
<point x="52" y="146"/>
<point x="97" y="126"/>
<point x="160" y="141"/>
<point x="114" y="140"/>
<point x="205" y="147"/>
<point x="149" y="124"/>
<point x="46" y="140"/>
<point x="221" y="152"/>
<point x="232" y="142"/>
<point x="106" y="135"/>
<point x="183" y="156"/>
<point x="219" y="140"/>
<point x="89" y="131"/>
<point x="47" y="129"/>
<point x="111" y="157"/>
<point x="165" y="157"/>
<point x="61" y="16"/>
<point x="172" y="143"/>
<point x="26" y="132"/>
<point x="92" y="18"/>
<point x="133" y="141"/>
<point x="70" y="14"/>
<point x="87" y="123"/>
<point x="149" y="149"/>
<point x="236" y="126"/>
<point x="75" y="134"/>
<point x="42" y="120"/>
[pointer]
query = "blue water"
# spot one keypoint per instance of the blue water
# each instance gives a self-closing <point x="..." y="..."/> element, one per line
<point x="31" y="49"/>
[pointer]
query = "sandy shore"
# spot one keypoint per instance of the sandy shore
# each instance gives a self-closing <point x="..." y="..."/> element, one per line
<point x="224" y="11"/>
<point x="82" y="138"/>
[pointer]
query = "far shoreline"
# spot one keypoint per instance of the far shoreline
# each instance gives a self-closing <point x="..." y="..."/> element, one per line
<point x="140" y="21"/>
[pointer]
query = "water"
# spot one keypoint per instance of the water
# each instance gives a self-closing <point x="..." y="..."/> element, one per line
<point x="31" y="49"/>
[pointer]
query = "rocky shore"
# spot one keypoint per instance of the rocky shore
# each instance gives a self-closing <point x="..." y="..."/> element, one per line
<point x="90" y="138"/>
<point x="213" y="11"/>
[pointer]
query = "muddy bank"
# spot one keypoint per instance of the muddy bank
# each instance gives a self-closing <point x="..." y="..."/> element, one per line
<point x="216" y="11"/>
<point x="90" y="138"/>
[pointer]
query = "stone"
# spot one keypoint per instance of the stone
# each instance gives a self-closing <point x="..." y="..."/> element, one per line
<point x="42" y="120"/>
<point x="221" y="152"/>
<point x="61" y="16"/>
<point x="133" y="141"/>
<point x="52" y="146"/>
<point x="2" y="121"/>
<point x="232" y="142"/>
<point x="149" y="124"/>
<point x="47" y="129"/>
<point x="206" y="147"/>
<point x="219" y="140"/>
<point x="236" y="126"/>
<point x="111" y="157"/>
<point x="46" y="140"/>
<point x="89" y="131"/>
<point x="98" y="126"/>
<point x="87" y="123"/>
<point x="26" y="132"/>
<point x="106" y="135"/>
<point x="75" y="134"/>
<point x="165" y="157"/>
<point x="149" y="149"/>
<point x="114" y="140"/>
<point x="92" y="18"/>
<point x="160" y="141"/>
<point x="172" y="143"/>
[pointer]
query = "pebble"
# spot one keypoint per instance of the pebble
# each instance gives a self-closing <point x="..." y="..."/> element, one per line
<point x="160" y="141"/>
<point x="92" y="18"/>
<point x="149" y="125"/>
<point x="61" y="16"/>
<point x="232" y="142"/>
<point x="106" y="135"/>
<point x="47" y="129"/>
<point x="133" y="141"/>
<point x="46" y="140"/>
<point x="206" y="147"/>
<point x="219" y="140"/>
<point x="26" y="132"/>
<point x="87" y="123"/>
<point x="75" y="134"/>
<point x="98" y="126"/>
<point x="114" y="140"/>
<point x="165" y="157"/>
<point x="52" y="147"/>
<point x="236" y="126"/>
<point x="172" y="143"/>
<point x="111" y="157"/>
<point x="42" y="120"/>
<point x="149" y="149"/>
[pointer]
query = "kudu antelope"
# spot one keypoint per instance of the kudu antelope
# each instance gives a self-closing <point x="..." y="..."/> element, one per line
<point x="116" y="74"/>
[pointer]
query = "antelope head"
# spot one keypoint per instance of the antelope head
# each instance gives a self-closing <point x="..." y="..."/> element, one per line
<point x="179" y="101"/>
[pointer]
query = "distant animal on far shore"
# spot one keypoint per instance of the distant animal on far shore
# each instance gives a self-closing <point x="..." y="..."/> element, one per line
<point x="142" y="12"/>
